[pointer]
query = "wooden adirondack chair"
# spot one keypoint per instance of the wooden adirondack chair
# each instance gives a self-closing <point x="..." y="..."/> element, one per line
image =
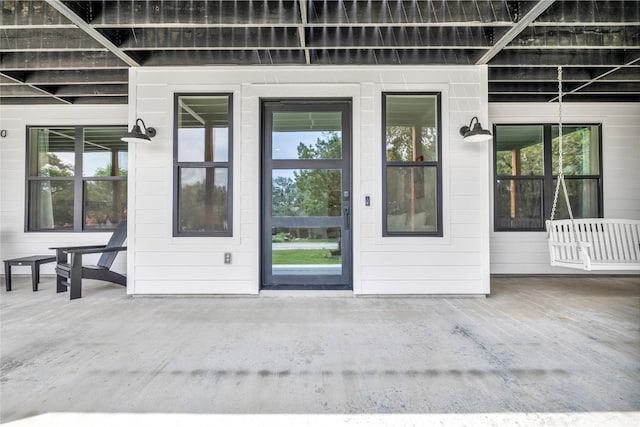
<point x="70" y="271"/>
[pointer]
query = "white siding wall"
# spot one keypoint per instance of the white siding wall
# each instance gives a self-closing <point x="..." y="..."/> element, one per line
<point x="527" y="253"/>
<point x="14" y="241"/>
<point x="455" y="263"/>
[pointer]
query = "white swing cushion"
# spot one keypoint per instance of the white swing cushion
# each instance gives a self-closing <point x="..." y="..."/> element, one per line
<point x="602" y="244"/>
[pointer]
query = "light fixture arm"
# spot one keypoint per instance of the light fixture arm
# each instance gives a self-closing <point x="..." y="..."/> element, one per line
<point x="137" y="134"/>
<point x="151" y="132"/>
<point x="465" y="129"/>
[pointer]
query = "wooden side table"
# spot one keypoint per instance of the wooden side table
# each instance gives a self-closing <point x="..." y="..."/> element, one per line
<point x="34" y="261"/>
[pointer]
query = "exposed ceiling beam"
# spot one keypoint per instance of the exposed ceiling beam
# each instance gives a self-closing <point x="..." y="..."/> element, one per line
<point x="95" y="34"/>
<point x="191" y="112"/>
<point x="93" y="90"/>
<point x="535" y="11"/>
<point x="456" y="24"/>
<point x="44" y="92"/>
<point x="68" y="77"/>
<point x="61" y="60"/>
<point x="302" y="4"/>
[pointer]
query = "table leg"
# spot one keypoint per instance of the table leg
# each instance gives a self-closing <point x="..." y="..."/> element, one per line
<point x="61" y="284"/>
<point x="7" y="275"/>
<point x="35" y="270"/>
<point x="75" y="281"/>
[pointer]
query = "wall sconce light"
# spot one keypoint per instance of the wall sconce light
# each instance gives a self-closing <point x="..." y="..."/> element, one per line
<point x="475" y="133"/>
<point x="137" y="135"/>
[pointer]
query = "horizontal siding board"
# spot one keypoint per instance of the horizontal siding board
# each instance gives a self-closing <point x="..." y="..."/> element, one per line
<point x="197" y="287"/>
<point x="449" y="287"/>
<point x="465" y="193"/>
<point x="420" y="273"/>
<point x="192" y="259"/>
<point x="396" y="259"/>
<point x="527" y="253"/>
<point x="178" y="273"/>
<point x="155" y="92"/>
<point x="14" y="241"/>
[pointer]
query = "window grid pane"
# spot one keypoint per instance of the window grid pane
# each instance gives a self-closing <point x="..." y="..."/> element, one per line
<point x="411" y="199"/>
<point x="203" y="129"/>
<point x="202" y="165"/>
<point x="520" y="150"/>
<point x="580" y="150"/>
<point x="524" y="192"/>
<point x="51" y="205"/>
<point x="519" y="204"/>
<point x="583" y="196"/>
<point x="103" y="153"/>
<point x="67" y="200"/>
<point x="203" y="196"/>
<point x="412" y="187"/>
<point x="105" y="203"/>
<point x="52" y="152"/>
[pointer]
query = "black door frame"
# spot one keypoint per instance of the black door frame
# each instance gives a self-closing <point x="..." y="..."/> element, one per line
<point x="268" y="281"/>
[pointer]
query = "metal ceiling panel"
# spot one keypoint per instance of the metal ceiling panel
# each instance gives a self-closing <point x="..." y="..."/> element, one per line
<point x="83" y="57"/>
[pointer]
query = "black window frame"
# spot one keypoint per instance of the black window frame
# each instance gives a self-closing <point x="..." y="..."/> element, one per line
<point x="78" y="180"/>
<point x="205" y="165"/>
<point x="432" y="164"/>
<point x="549" y="177"/>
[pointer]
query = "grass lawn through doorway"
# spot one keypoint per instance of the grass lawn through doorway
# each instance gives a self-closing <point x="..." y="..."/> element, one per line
<point x="304" y="256"/>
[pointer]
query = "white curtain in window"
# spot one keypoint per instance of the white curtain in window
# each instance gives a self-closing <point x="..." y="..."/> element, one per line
<point x="44" y="208"/>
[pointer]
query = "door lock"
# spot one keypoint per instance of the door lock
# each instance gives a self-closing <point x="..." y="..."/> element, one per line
<point x="347" y="220"/>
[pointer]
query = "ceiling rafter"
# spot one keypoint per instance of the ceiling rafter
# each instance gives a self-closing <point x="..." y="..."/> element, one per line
<point x="514" y="31"/>
<point x="95" y="34"/>
<point x="595" y="79"/>
<point x="302" y="5"/>
<point x="37" y="88"/>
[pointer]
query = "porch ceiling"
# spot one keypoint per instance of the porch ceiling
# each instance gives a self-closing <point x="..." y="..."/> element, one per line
<point x="78" y="52"/>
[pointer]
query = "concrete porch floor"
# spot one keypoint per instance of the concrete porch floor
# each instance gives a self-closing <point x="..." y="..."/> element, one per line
<point x="536" y="345"/>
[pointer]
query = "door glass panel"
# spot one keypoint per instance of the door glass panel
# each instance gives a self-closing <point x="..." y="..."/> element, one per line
<point x="306" y="192"/>
<point x="307" y="135"/>
<point x="306" y="251"/>
<point x="307" y="199"/>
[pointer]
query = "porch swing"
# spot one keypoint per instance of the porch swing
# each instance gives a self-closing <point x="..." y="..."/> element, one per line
<point x="589" y="243"/>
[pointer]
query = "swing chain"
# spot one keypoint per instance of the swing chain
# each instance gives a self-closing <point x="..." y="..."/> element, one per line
<point x="560" y="148"/>
<point x="561" y="181"/>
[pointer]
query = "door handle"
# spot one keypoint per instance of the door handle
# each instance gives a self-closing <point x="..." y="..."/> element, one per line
<point x="345" y="214"/>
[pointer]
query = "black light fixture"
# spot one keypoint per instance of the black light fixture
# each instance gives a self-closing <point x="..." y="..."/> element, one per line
<point x="475" y="133"/>
<point x="137" y="135"/>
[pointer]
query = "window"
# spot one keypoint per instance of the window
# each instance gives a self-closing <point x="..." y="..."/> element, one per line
<point x="76" y="178"/>
<point x="527" y="164"/>
<point x="202" y="165"/>
<point x="411" y="169"/>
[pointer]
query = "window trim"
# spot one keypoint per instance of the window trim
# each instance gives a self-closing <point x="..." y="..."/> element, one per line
<point x="437" y="164"/>
<point x="78" y="180"/>
<point x="204" y="165"/>
<point x="548" y="188"/>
